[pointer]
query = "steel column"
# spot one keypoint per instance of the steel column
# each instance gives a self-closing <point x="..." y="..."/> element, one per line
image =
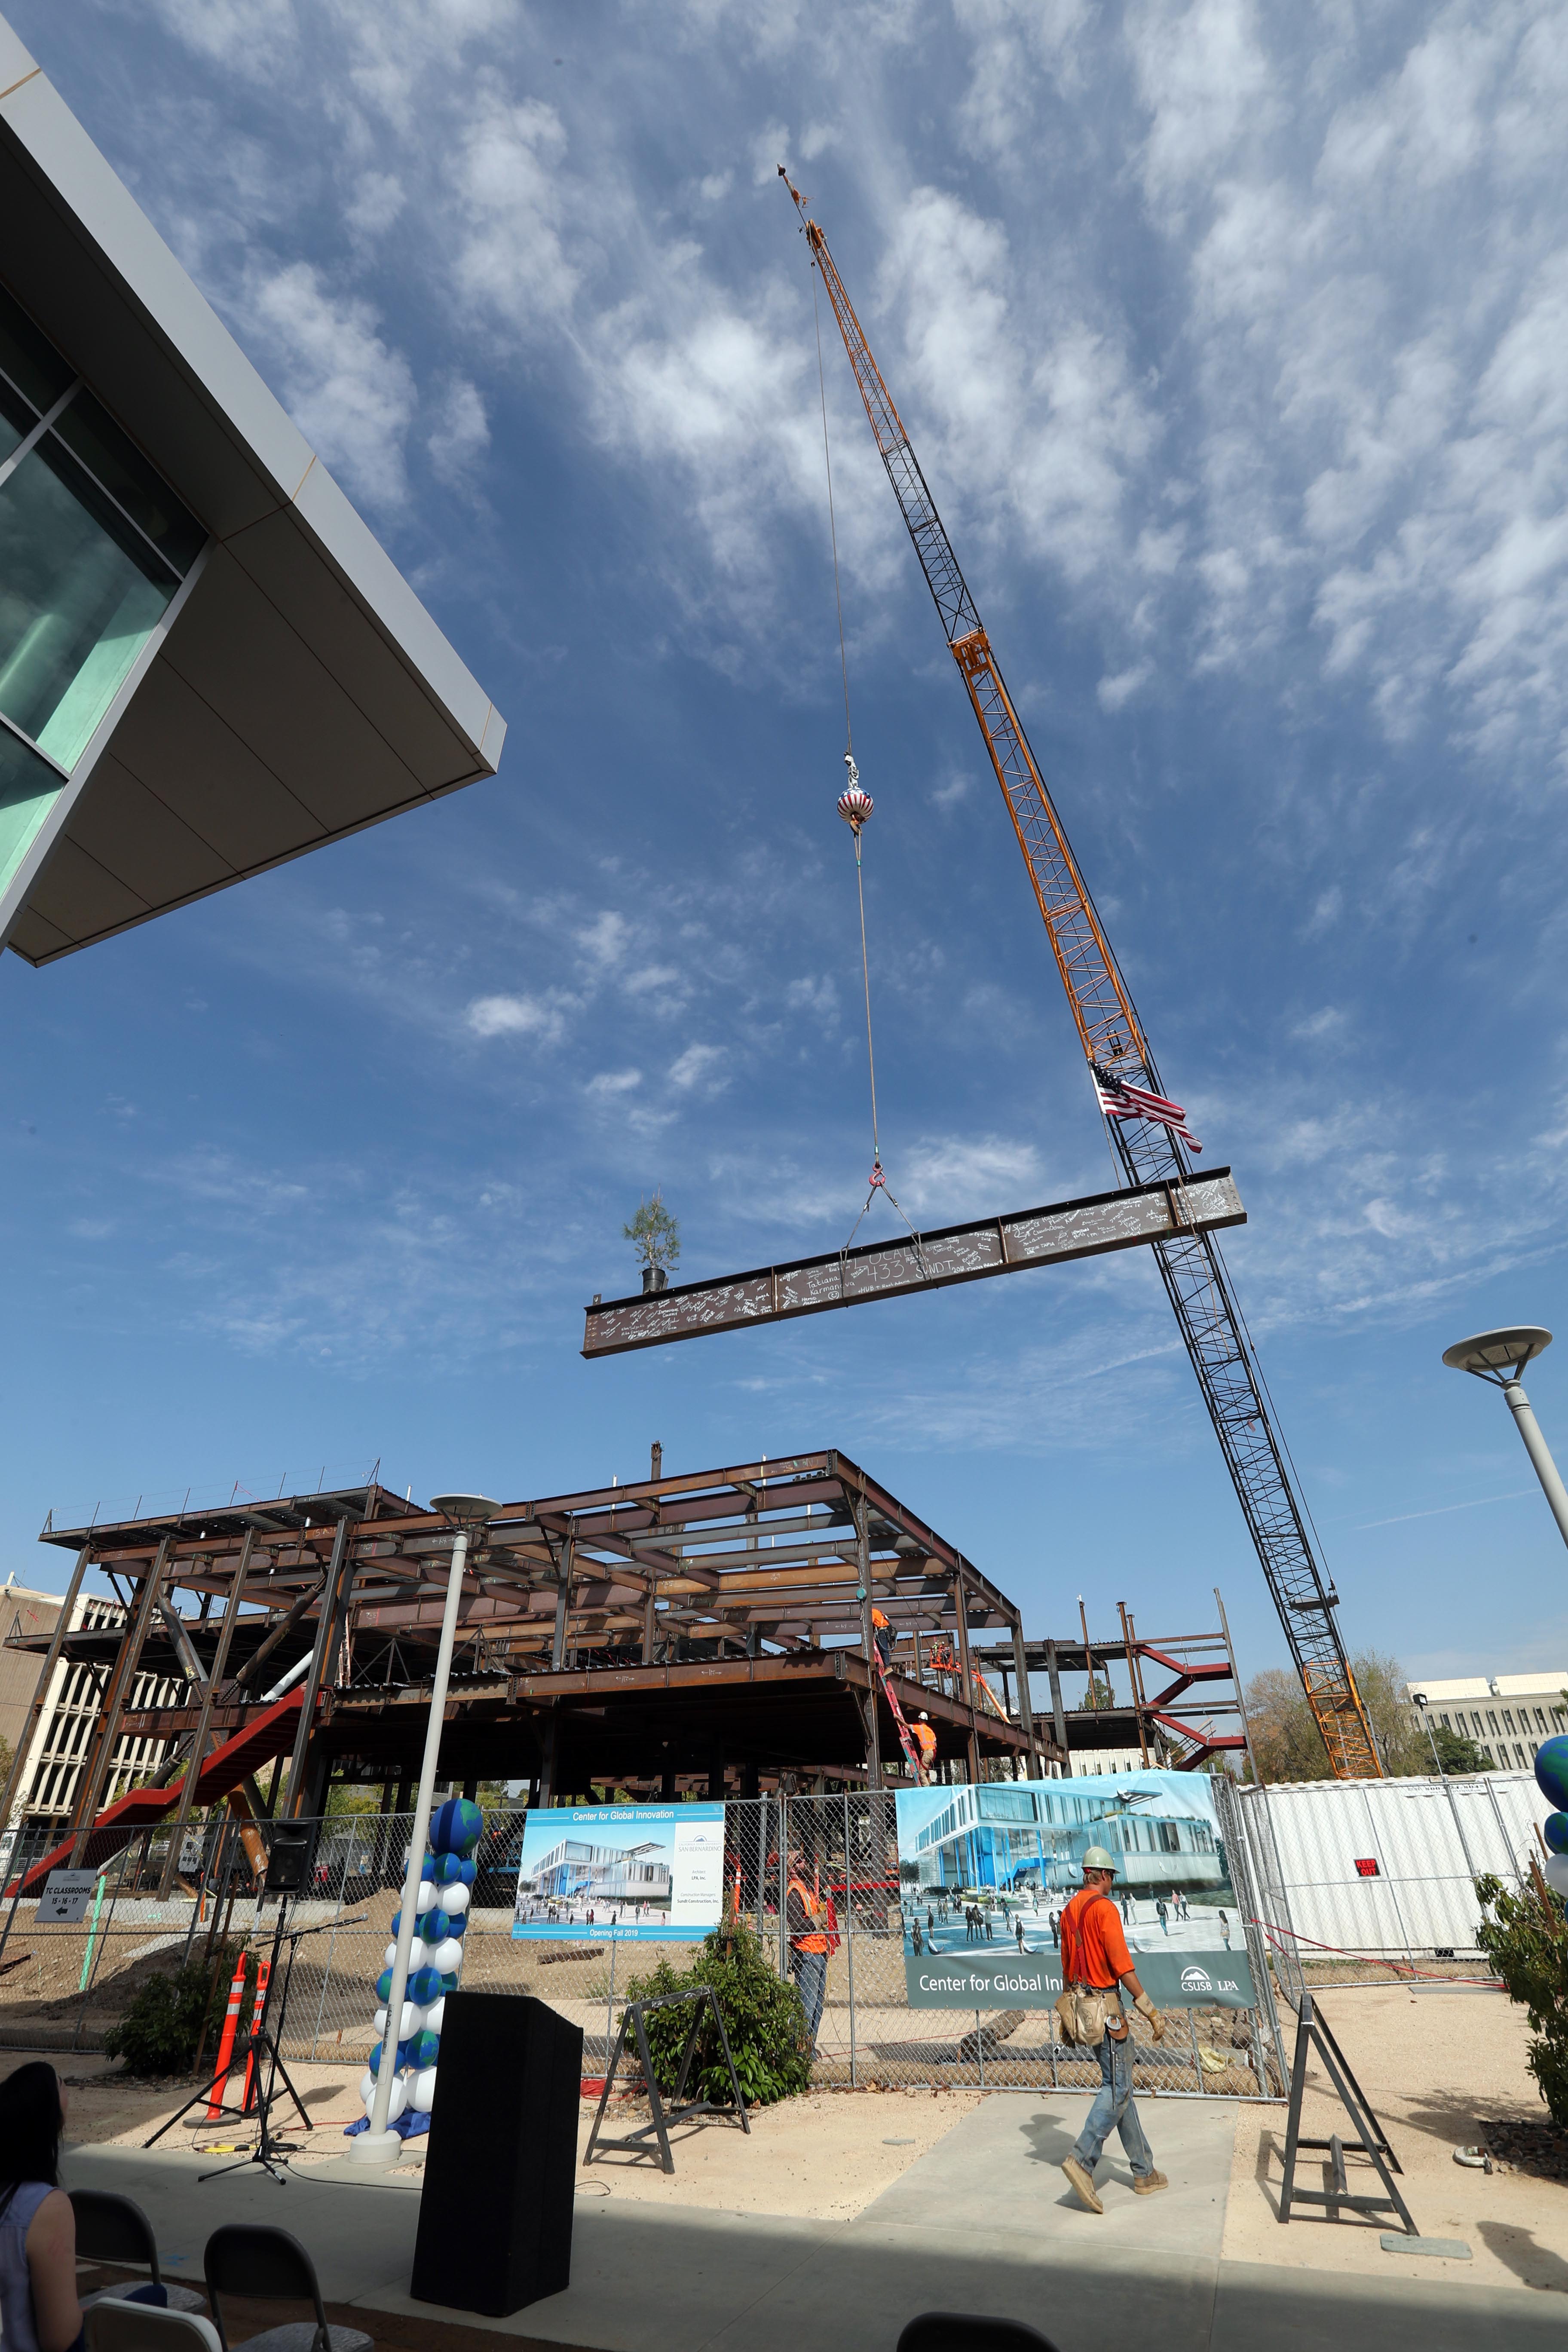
<point x="197" y="1756"/>
<point x="294" y="1798"/>
<point x="99" y="1762"/>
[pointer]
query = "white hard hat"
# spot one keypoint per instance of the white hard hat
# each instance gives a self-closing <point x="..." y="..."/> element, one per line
<point x="924" y="1716"/>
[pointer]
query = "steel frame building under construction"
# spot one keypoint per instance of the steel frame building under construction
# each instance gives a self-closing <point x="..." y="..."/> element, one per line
<point x="711" y="1629"/>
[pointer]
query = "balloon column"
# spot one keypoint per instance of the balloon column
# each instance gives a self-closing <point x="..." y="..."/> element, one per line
<point x="1552" y="1778"/>
<point x="434" y="1966"/>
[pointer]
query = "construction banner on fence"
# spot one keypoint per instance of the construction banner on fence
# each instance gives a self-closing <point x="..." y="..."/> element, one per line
<point x="986" y="1870"/>
<point x="621" y="1874"/>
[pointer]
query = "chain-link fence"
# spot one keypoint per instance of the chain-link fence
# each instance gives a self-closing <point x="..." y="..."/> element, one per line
<point x="64" y="1986"/>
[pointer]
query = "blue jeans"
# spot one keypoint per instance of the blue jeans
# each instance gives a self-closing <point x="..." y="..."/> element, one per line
<point x="1114" y="2105"/>
<point x="811" y="1983"/>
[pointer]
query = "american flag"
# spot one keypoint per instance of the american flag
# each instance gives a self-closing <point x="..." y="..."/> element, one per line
<point x="1119" y="1100"/>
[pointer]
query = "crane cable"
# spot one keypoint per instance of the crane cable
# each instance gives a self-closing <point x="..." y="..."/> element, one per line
<point x="855" y="807"/>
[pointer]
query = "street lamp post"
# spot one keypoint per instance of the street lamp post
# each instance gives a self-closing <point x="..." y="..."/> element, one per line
<point x="1418" y="1700"/>
<point x="1501" y="1357"/>
<point x="467" y="1513"/>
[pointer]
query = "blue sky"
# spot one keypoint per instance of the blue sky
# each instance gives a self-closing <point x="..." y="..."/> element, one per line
<point x="1231" y="342"/>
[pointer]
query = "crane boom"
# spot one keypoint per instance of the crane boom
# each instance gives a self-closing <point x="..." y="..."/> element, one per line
<point x="1114" y="1043"/>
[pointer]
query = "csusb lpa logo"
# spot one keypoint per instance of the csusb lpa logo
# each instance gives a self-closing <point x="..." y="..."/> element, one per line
<point x="1196" y="1980"/>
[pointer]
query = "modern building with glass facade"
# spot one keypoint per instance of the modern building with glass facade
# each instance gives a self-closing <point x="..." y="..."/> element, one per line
<point x="207" y="664"/>
<point x="1034" y="1836"/>
<point x="577" y="1872"/>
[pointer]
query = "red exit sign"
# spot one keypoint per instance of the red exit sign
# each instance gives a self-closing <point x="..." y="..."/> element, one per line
<point x="1367" y="1868"/>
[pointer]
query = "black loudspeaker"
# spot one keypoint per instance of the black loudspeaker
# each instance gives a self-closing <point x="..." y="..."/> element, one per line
<point x="288" y="1861"/>
<point x="495" y="2214"/>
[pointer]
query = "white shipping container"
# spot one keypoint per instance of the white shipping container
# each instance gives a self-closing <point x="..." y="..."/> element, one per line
<point x="1387" y="1866"/>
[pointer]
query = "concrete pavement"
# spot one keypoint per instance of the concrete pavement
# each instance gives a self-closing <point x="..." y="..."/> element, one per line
<point x="982" y="2222"/>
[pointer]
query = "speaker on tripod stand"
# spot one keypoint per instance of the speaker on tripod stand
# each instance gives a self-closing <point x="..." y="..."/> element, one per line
<point x="290" y="1856"/>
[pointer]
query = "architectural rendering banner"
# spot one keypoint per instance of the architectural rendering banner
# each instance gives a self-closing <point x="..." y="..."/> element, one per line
<point x="623" y="1873"/>
<point x="985" y="1873"/>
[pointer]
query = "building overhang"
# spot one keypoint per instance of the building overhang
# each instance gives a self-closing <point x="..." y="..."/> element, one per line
<point x="301" y="692"/>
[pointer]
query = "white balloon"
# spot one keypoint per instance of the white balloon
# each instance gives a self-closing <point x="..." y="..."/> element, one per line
<point x="435" y="2013"/>
<point x="391" y="1957"/>
<point x="399" y="2097"/>
<point x="425" y="1899"/>
<point x="366" y="2089"/>
<point x="418" y="1954"/>
<point x="413" y="2019"/>
<point x="1554" y="1869"/>
<point x="455" y="1901"/>
<point x="422" y="2091"/>
<point x="448" y="1956"/>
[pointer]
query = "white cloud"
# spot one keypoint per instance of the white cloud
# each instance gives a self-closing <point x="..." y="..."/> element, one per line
<point x="605" y="941"/>
<point x="511" y="197"/>
<point x="1113" y="692"/>
<point x="378" y="199"/>
<point x="516" y="1016"/>
<point x="608" y="1086"/>
<point x="693" y="1068"/>
<point x="462" y="436"/>
<point x="352" y="396"/>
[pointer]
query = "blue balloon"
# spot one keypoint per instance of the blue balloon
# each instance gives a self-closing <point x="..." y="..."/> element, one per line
<point x="1551" y="1770"/>
<point x="1555" y="1830"/>
<point x="455" y="1923"/>
<point x="451" y="1870"/>
<point x="383" y="1987"/>
<point x="424" y="2049"/>
<point x="458" y="1827"/>
<point x="423" y="1986"/>
<point x="403" y="2050"/>
<point x="447" y="1983"/>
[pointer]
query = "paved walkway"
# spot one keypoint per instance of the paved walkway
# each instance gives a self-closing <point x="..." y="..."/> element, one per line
<point x="983" y="2222"/>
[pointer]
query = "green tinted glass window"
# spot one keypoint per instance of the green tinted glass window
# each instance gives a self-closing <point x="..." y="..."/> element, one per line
<point x="31" y="361"/>
<point x="118" y="464"/>
<point x="28" y="789"/>
<point x="79" y="594"/>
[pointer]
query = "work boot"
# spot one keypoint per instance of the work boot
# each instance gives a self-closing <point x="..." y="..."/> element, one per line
<point x="1145" y="2183"/>
<point x="1083" y="2179"/>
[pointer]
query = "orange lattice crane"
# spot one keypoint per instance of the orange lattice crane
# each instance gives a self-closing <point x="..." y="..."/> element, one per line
<point x="1146" y="1128"/>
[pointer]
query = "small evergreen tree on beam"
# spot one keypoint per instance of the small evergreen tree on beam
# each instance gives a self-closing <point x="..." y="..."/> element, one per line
<point x="655" y="1235"/>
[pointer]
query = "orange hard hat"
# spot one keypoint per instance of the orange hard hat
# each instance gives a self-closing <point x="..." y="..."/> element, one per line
<point x="878" y="1618"/>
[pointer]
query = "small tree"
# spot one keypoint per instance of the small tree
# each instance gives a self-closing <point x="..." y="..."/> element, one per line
<point x="1524" y="1938"/>
<point x="654" y="1234"/>
<point x="764" y="2021"/>
<point x="1097" y="1692"/>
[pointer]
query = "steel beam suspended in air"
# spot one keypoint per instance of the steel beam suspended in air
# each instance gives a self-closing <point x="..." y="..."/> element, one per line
<point x="811" y="1285"/>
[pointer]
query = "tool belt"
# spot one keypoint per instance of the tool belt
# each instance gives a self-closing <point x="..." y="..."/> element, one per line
<point x="1086" y="2011"/>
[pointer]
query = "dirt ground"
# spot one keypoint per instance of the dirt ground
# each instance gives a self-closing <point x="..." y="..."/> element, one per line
<point x="1434" y="2065"/>
<point x="824" y="2157"/>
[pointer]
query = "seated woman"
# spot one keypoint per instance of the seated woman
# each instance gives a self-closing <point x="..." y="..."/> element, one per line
<point x="39" y="2307"/>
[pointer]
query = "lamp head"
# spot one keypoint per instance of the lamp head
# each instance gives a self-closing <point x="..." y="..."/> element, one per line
<point x="464" y="1510"/>
<point x="1498" y="1356"/>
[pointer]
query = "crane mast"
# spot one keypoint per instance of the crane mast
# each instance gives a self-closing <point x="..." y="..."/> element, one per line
<point x="1116" y="1045"/>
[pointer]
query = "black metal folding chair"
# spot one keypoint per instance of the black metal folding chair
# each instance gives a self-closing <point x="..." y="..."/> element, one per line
<point x="245" y="2259"/>
<point x="966" y="2331"/>
<point x="114" y="2229"/>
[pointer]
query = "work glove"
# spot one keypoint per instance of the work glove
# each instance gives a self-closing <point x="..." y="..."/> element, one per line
<point x="1156" y="2022"/>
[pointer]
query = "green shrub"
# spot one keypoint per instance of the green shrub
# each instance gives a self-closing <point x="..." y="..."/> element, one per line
<point x="1525" y="1939"/>
<point x="161" y="2025"/>
<point x="763" y="2017"/>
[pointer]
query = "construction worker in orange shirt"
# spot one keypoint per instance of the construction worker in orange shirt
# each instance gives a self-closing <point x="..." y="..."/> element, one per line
<point x="810" y="1942"/>
<point x="925" y="1740"/>
<point x="1096" y="1966"/>
<point x="882" y="1635"/>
